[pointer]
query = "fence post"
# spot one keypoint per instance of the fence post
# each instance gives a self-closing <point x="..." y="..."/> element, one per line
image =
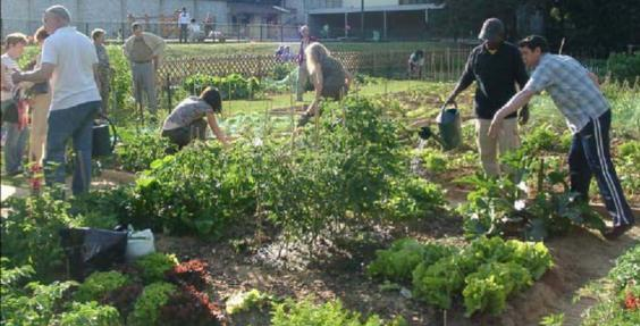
<point x="261" y="26"/>
<point x="281" y="33"/>
<point x="169" y="100"/>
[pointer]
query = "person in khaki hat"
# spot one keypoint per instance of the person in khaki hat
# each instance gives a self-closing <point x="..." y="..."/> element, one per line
<point x="496" y="66"/>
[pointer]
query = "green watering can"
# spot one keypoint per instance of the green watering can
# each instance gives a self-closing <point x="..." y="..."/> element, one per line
<point x="103" y="142"/>
<point x="449" y="126"/>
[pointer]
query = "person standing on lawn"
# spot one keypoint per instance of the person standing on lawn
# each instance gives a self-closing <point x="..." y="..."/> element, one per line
<point x="576" y="93"/>
<point x="496" y="66"/>
<point x="183" y="22"/>
<point x="187" y="121"/>
<point x="144" y="51"/>
<point x="104" y="68"/>
<point x="16" y="132"/>
<point x="69" y="59"/>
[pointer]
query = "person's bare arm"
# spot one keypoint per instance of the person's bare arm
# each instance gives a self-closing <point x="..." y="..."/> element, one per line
<point x="317" y="85"/>
<point x="516" y="102"/>
<point x="213" y="124"/>
<point x="348" y="77"/>
<point x="35" y="76"/>
<point x="595" y="79"/>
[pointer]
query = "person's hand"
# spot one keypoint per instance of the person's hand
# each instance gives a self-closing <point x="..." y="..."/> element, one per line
<point x="450" y="100"/>
<point x="523" y="115"/>
<point x="496" y="125"/>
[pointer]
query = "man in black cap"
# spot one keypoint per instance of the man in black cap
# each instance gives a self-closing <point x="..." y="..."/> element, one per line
<point x="496" y="66"/>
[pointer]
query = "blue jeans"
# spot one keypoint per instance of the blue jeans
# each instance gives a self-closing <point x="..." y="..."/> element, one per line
<point x="590" y="155"/>
<point x="75" y="123"/>
<point x="14" y="147"/>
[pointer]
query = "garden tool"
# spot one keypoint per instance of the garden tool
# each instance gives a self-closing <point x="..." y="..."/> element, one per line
<point x="449" y="126"/>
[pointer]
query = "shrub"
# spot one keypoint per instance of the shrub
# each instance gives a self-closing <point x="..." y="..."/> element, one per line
<point x="154" y="266"/>
<point x="90" y="314"/>
<point x="231" y="87"/>
<point x="197" y="191"/>
<point x="30" y="232"/>
<point x="147" y="308"/>
<point x="624" y="67"/>
<point x="99" y="284"/>
<point x="136" y="153"/>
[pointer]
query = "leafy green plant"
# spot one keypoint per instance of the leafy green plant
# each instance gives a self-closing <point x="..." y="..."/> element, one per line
<point x="35" y="304"/>
<point x="30" y="232"/>
<point x="488" y="288"/>
<point x="190" y="307"/>
<point x="438" y="283"/>
<point x="244" y="301"/>
<point x="553" y="320"/>
<point x="231" y="87"/>
<point x="147" y="308"/>
<point x="98" y="284"/>
<point x="305" y="312"/>
<point x="623" y="67"/>
<point x="154" y="266"/>
<point x="485" y="273"/>
<point x="137" y="152"/>
<point x="398" y="262"/>
<point x="90" y="314"/>
<point x="433" y="160"/>
<point x="499" y="206"/>
<point x="198" y="191"/>
<point x="618" y="295"/>
<point x="412" y="197"/>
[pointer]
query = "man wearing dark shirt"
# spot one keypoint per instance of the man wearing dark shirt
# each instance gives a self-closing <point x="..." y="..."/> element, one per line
<point x="496" y="66"/>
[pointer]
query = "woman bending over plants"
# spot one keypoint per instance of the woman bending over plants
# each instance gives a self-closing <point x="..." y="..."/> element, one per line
<point x="187" y="121"/>
<point x="330" y="78"/>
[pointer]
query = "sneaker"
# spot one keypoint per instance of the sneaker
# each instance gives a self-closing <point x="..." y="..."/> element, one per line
<point x="616" y="231"/>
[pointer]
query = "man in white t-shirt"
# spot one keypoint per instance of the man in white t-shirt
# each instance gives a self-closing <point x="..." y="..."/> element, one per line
<point x="183" y="20"/>
<point x="70" y="60"/>
<point x="16" y="132"/>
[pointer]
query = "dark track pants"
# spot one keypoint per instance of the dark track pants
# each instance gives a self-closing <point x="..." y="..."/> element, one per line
<point x="590" y="155"/>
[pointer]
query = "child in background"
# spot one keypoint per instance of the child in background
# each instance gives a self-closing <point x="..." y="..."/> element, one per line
<point x="12" y="116"/>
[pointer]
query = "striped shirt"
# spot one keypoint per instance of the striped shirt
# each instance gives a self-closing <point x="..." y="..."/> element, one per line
<point x="572" y="90"/>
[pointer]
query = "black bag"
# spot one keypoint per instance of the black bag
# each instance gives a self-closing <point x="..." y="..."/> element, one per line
<point x="90" y="250"/>
<point x="103" y="143"/>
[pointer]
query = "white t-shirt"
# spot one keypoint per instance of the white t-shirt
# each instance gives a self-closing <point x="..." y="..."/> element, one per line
<point x="74" y="55"/>
<point x="9" y="66"/>
<point x="194" y="27"/>
<point x="184" y="18"/>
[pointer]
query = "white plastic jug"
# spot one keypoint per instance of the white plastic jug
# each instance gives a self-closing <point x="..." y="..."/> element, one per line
<point x="139" y="244"/>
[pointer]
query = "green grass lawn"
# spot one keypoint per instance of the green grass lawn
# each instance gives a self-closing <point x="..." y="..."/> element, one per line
<point x="175" y="50"/>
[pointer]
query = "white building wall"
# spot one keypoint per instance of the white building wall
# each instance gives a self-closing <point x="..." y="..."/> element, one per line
<point x="26" y="15"/>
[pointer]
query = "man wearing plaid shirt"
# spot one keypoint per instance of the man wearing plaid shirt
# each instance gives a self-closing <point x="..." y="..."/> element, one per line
<point x="576" y="93"/>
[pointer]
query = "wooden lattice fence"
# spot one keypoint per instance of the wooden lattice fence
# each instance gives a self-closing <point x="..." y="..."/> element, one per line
<point x="440" y="64"/>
